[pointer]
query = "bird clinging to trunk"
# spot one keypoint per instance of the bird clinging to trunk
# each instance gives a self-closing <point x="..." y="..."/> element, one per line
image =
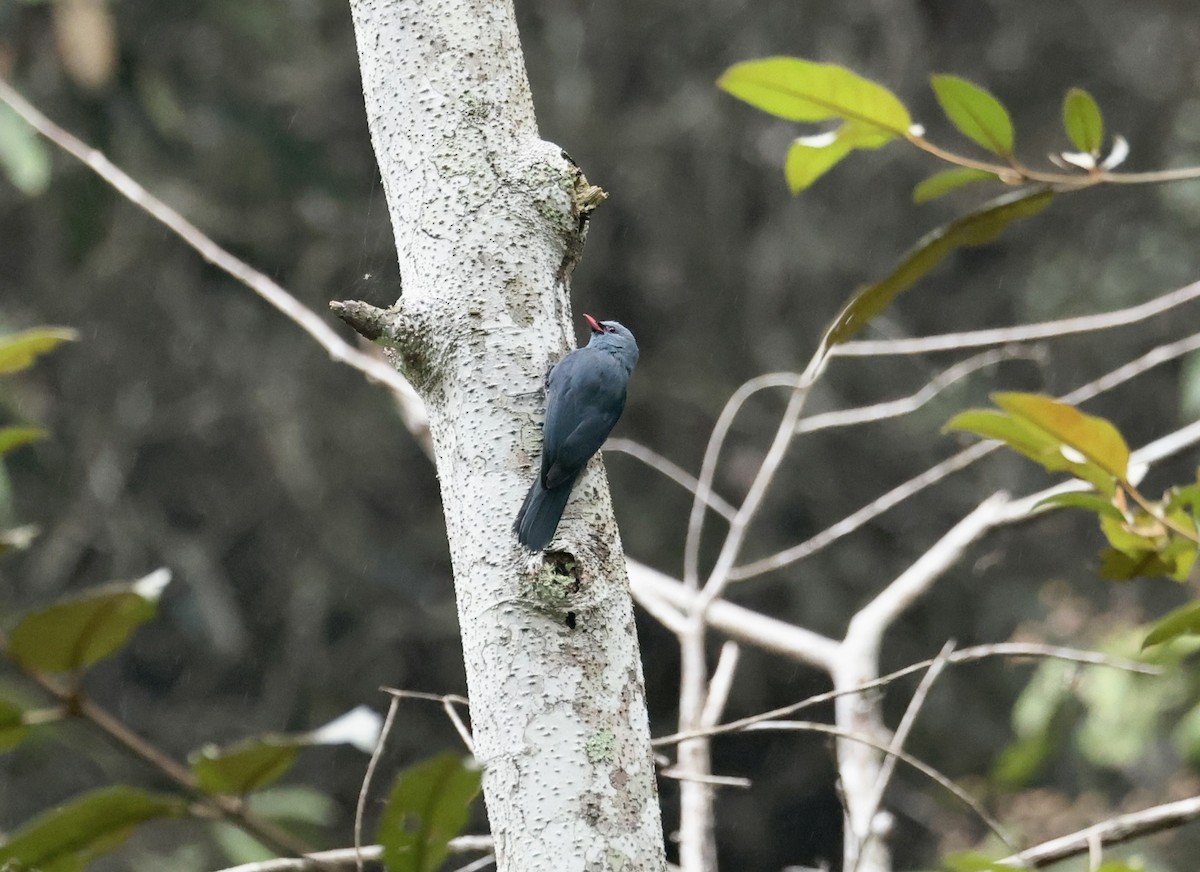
<point x="585" y="395"/>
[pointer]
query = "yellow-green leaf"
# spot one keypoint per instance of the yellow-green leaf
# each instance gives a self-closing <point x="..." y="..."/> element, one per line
<point x="940" y="184"/>
<point x="810" y="157"/>
<point x="68" y="838"/>
<point x="1102" y="507"/>
<point x="75" y="633"/>
<point x="1183" y="621"/>
<point x="976" y="113"/>
<point x="1095" y="438"/>
<point x="12" y="438"/>
<point x="800" y="90"/>
<point x="1083" y="121"/>
<point x="12" y="725"/>
<point x="975" y="228"/>
<point x="20" y="350"/>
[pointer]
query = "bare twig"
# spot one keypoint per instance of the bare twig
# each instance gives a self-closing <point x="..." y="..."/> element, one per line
<point x="909" y="404"/>
<point x="1024" y="332"/>
<point x="345" y="858"/>
<point x="1122" y="828"/>
<point x="922" y="767"/>
<point x="720" y="685"/>
<point x="672" y="471"/>
<point x="337" y="348"/>
<point x="1015" y="650"/>
<point x="897" y="743"/>
<point x="448" y="701"/>
<point x="361" y="808"/>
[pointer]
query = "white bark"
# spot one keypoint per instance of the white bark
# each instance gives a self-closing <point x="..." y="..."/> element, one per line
<point x="488" y="221"/>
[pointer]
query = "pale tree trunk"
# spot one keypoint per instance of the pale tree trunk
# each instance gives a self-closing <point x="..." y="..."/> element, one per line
<point x="489" y="221"/>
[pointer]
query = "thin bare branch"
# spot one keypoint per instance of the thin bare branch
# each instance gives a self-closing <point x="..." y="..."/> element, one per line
<point x="1023" y="333"/>
<point x="922" y="767"/>
<point x="346" y="857"/>
<point x="720" y="685"/>
<point x="909" y="404"/>
<point x="361" y="808"/>
<point x="1015" y="650"/>
<point x="338" y="349"/>
<point x="712" y="780"/>
<point x="897" y="743"/>
<point x="1122" y="828"/>
<point x="448" y="701"/>
<point x="673" y="471"/>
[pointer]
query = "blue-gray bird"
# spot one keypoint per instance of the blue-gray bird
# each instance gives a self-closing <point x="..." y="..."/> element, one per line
<point x="585" y="395"/>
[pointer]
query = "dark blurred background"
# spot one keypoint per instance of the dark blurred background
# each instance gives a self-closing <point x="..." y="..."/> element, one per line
<point x="194" y="428"/>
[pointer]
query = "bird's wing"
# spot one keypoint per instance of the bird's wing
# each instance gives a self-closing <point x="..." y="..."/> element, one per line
<point x="585" y="397"/>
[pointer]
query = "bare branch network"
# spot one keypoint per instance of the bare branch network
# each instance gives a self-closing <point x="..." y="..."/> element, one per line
<point x="690" y="606"/>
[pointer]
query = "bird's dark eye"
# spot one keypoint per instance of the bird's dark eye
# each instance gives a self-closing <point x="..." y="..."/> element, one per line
<point x="610" y="330"/>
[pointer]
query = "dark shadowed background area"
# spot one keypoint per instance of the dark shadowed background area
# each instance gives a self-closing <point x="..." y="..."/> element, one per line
<point x="195" y="428"/>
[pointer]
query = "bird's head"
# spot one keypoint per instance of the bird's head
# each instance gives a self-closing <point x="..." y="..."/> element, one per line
<point x="612" y="336"/>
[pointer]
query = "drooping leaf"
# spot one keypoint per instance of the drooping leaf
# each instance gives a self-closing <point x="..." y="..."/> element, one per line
<point x="1183" y="621"/>
<point x="428" y="807"/>
<point x="12" y="725"/>
<point x="245" y="766"/>
<point x="942" y="183"/>
<point x="976" y="113"/>
<point x="12" y="438"/>
<point x="1082" y="500"/>
<point x="20" y="350"/>
<point x="69" y="837"/>
<point x="1083" y="121"/>
<point x="800" y="90"/>
<point x="975" y="228"/>
<point x="810" y="157"/>
<point x="24" y="158"/>
<point x="1095" y="438"/>
<point x="1118" y="565"/>
<point x="75" y="633"/>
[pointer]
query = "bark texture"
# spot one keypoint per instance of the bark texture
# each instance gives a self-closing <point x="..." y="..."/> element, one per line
<point x="489" y="220"/>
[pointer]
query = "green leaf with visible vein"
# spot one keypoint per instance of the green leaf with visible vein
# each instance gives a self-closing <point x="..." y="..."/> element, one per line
<point x="69" y="837"/>
<point x="1083" y="121"/>
<point x="1095" y="438"/>
<point x="976" y="113"/>
<point x="975" y="228"/>
<point x="800" y="90"/>
<point x="940" y="184"/>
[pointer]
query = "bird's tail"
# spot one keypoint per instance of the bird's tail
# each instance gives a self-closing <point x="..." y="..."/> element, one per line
<point x="540" y="514"/>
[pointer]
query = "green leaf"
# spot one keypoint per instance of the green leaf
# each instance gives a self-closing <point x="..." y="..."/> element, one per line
<point x="810" y="157"/>
<point x="800" y="90"/>
<point x="24" y="158"/>
<point x="975" y="228"/>
<point x="1183" y="621"/>
<point x="75" y="633"/>
<point x="940" y="184"/>
<point x="12" y="438"/>
<point x="428" y="807"/>
<point x="1118" y="565"/>
<point x="69" y="837"/>
<point x="976" y="113"/>
<point x="1081" y="500"/>
<point x="12" y="726"/>
<point x="20" y="350"/>
<point x="245" y="766"/>
<point x="296" y="803"/>
<point x="972" y="861"/>
<point x="1095" y="438"/>
<point x="1083" y="121"/>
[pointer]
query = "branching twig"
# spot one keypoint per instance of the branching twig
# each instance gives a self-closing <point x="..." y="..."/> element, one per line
<point x="344" y="858"/>
<point x="672" y="471"/>
<point x="361" y="808"/>
<point x="1022" y="333"/>
<point x="1122" y="828"/>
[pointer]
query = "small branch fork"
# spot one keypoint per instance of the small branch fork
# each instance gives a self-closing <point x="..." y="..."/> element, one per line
<point x="687" y="608"/>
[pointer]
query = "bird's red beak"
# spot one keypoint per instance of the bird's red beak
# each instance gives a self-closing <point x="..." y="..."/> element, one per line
<point x="594" y="324"/>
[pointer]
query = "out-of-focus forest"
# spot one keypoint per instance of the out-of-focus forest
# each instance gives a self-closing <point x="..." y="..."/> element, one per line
<point x="195" y="428"/>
